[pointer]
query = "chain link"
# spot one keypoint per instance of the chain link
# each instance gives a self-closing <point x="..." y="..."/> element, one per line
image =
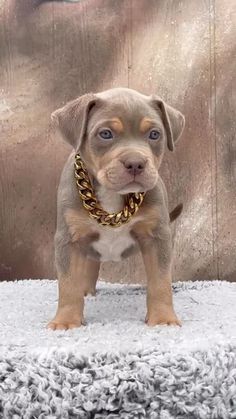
<point x="90" y="203"/>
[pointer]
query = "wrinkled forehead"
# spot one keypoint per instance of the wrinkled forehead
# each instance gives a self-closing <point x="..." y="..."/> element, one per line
<point x="126" y="111"/>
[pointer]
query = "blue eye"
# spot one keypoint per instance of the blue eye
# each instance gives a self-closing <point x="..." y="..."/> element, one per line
<point x="154" y="134"/>
<point x="106" y="134"/>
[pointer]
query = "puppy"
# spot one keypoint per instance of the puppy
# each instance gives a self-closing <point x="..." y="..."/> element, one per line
<point x="121" y="136"/>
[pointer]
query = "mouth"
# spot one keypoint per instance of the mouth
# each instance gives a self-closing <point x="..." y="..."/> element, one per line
<point x="123" y="183"/>
<point x="132" y="186"/>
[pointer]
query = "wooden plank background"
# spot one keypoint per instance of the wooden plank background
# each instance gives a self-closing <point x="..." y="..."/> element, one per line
<point x="184" y="50"/>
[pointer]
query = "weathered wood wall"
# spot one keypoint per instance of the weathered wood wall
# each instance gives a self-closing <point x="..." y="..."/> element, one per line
<point x="186" y="51"/>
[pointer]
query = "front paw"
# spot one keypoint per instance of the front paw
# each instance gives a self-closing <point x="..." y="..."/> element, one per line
<point x="162" y="317"/>
<point x="65" y="320"/>
<point x="63" y="324"/>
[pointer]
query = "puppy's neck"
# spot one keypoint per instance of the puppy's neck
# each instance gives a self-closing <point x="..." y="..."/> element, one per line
<point x="109" y="200"/>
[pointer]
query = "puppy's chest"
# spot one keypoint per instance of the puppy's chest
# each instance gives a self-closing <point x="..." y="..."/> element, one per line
<point x="112" y="243"/>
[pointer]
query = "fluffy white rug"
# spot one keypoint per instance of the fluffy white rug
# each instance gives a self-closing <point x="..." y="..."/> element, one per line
<point x="116" y="366"/>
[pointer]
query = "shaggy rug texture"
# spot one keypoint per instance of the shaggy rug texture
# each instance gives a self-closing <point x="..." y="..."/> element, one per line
<point x="117" y="367"/>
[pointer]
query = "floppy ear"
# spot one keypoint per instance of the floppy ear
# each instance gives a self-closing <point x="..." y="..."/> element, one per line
<point x="173" y="120"/>
<point x="72" y="119"/>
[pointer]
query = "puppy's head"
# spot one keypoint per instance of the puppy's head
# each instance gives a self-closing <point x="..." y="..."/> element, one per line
<point x="121" y="136"/>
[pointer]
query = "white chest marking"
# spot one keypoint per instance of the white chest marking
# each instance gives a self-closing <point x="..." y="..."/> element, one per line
<point x="112" y="241"/>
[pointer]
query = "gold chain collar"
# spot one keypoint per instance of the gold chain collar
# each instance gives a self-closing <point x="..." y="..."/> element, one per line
<point x="89" y="200"/>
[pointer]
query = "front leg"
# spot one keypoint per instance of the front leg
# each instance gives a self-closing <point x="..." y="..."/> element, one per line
<point x="79" y="280"/>
<point x="156" y="251"/>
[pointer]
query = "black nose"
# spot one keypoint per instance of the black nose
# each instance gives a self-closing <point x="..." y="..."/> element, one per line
<point x="134" y="167"/>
